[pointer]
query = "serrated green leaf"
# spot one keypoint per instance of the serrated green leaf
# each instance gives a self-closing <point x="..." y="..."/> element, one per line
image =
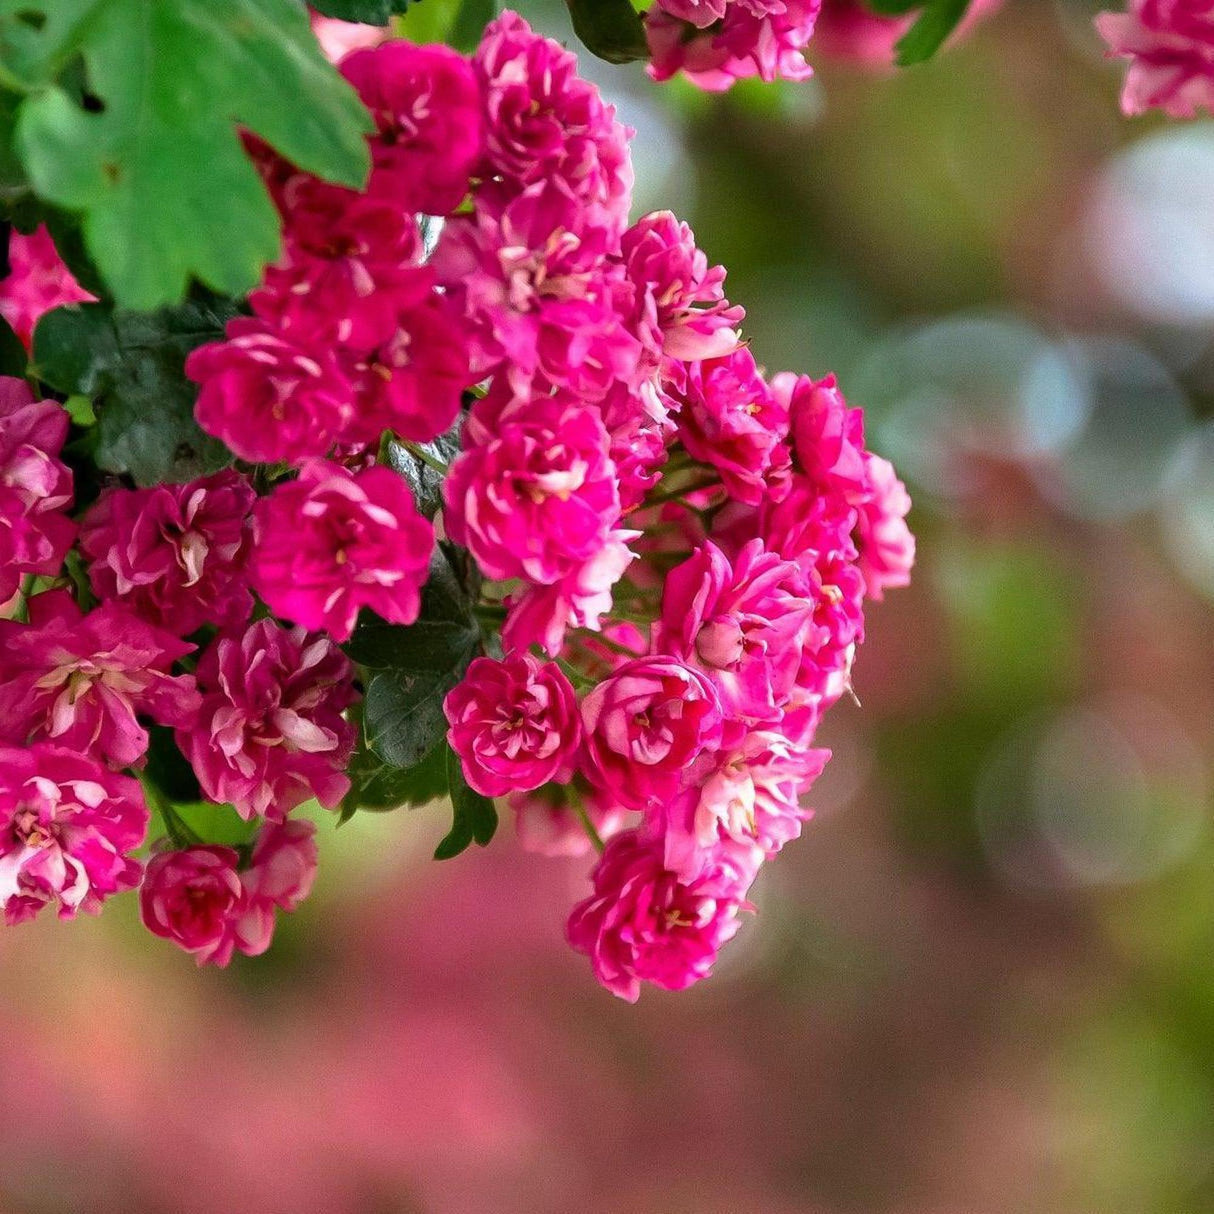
<point x="929" y="33"/>
<point x="469" y="24"/>
<point x="474" y="818"/>
<point x="131" y="365"/>
<point x="610" y="29"/>
<point x="425" y="482"/>
<point x="155" y="165"/>
<point x="364" y="12"/>
<point x="403" y="713"/>
<point x="378" y="788"/>
<point x="12" y="352"/>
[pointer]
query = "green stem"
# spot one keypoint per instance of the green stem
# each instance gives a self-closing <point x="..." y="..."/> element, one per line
<point x="179" y="830"/>
<point x="670" y="495"/>
<point x="588" y="826"/>
<point x="419" y="452"/>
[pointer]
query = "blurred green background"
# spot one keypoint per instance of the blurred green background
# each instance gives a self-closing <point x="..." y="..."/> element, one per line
<point x="983" y="982"/>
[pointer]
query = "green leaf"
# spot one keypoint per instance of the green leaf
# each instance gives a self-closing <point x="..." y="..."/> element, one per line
<point x="443" y="638"/>
<point x="155" y="163"/>
<point x="131" y="365"/>
<point x="469" y="24"/>
<point x="168" y="768"/>
<point x="12" y="352"/>
<point x="376" y="787"/>
<point x="364" y="12"/>
<point x="425" y="482"/>
<point x="403" y="713"/>
<point x="893" y="8"/>
<point x="474" y="817"/>
<point x="928" y="34"/>
<point x="610" y="29"/>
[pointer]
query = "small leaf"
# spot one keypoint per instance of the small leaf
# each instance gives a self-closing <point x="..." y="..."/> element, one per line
<point x="12" y="352"/>
<point x="474" y="818"/>
<point x="611" y="29"/>
<point x="168" y="768"/>
<point x="892" y="8"/>
<point x="929" y="33"/>
<point x="378" y="788"/>
<point x="469" y="24"/>
<point x="131" y="365"/>
<point x="403" y="713"/>
<point x="425" y="482"/>
<point x="363" y="12"/>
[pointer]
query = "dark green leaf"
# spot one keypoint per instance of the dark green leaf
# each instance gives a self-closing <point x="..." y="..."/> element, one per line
<point x="12" y="352"/>
<point x="425" y="481"/>
<point x="610" y="29"/>
<point x="470" y="20"/>
<point x="474" y="818"/>
<point x="937" y="20"/>
<point x="376" y="787"/>
<point x="893" y="8"/>
<point x="403" y="713"/>
<point x="365" y="12"/>
<point x="168" y="768"/>
<point x="131" y="365"/>
<point x="155" y="163"/>
<point x="443" y="638"/>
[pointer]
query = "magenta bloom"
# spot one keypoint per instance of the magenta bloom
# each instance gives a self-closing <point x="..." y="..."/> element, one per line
<point x="546" y="822"/>
<point x="37" y="282"/>
<point x="887" y="547"/>
<point x="270" y="733"/>
<point x="534" y="493"/>
<point x="199" y="899"/>
<point x="35" y="486"/>
<point x="742" y="622"/>
<point x="267" y="398"/>
<point x="79" y="680"/>
<point x="67" y="826"/>
<point x="545" y="122"/>
<point x="828" y="435"/>
<point x="680" y="297"/>
<point x="411" y="381"/>
<point x="333" y="542"/>
<point x="427" y="105"/>
<point x="647" y="726"/>
<point x="730" y="419"/>
<point x="194" y="898"/>
<point x="1170" y="46"/>
<point x="348" y="266"/>
<point x="514" y="724"/>
<point x="173" y="554"/>
<point x="643" y="924"/>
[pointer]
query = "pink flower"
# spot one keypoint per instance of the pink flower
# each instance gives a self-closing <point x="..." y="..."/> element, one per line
<point x="680" y="297"/>
<point x="349" y="265"/>
<point x="547" y="823"/>
<point x="267" y="398"/>
<point x="751" y="800"/>
<point x="828" y="435"/>
<point x="270" y="733"/>
<point x="730" y="419"/>
<point x="1170" y="46"/>
<point x="742" y="622"/>
<point x="643" y="924"/>
<point x="545" y="122"/>
<point x="533" y="495"/>
<point x="194" y="898"/>
<point x="649" y="727"/>
<point x="514" y="724"/>
<point x="541" y="614"/>
<point x="37" y="282"/>
<point x="79" y="680"/>
<point x="35" y="486"/>
<point x="67" y="827"/>
<point x="427" y="106"/>
<point x="338" y="38"/>
<point x="764" y="38"/>
<point x="333" y="542"/>
<point x="887" y="547"/>
<point x="173" y="554"/>
<point x="639" y="427"/>
<point x="279" y="877"/>
<point x="198" y="897"/>
<point x="849" y="31"/>
<point x="412" y="381"/>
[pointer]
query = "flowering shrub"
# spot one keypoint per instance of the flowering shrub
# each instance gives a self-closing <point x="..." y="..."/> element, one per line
<point x="470" y="487"/>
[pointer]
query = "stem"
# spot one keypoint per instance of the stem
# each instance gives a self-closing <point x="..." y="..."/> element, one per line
<point x="492" y="613"/>
<point x="588" y="826"/>
<point x="419" y="452"/>
<point x="613" y="645"/>
<point x="179" y="830"/>
<point x="670" y="495"/>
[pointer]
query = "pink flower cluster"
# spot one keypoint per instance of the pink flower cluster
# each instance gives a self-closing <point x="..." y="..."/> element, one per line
<point x="1170" y="46"/>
